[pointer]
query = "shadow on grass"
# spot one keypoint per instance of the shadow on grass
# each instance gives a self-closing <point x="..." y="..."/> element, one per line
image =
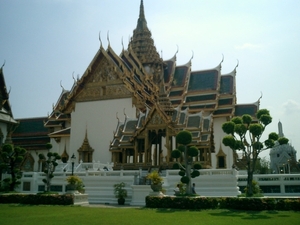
<point x="166" y="210"/>
<point x="248" y="215"/>
<point x="31" y="205"/>
<point x="162" y="210"/>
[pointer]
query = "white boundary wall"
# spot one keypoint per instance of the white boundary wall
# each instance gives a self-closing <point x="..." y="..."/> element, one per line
<point x="211" y="183"/>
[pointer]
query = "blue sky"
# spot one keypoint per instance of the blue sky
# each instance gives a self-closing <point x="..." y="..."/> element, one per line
<point x="44" y="42"/>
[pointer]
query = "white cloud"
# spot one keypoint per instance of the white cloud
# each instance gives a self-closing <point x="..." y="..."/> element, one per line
<point x="248" y="46"/>
<point x="291" y="107"/>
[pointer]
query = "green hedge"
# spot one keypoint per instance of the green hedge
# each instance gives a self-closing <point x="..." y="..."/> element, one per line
<point x="37" y="199"/>
<point x="223" y="203"/>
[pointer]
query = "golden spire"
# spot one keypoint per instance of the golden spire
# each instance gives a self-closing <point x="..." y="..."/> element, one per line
<point x="142" y="23"/>
<point x="142" y="43"/>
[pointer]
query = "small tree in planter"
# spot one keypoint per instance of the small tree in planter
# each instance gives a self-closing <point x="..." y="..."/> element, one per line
<point x="156" y="180"/>
<point x="11" y="160"/>
<point x="120" y="193"/>
<point x="75" y="184"/>
<point x="50" y="166"/>
<point x="188" y="170"/>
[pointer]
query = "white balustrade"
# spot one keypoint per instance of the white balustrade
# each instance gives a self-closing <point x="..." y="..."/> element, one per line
<point x="211" y="182"/>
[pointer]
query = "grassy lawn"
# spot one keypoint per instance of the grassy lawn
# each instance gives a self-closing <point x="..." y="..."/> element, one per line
<point x="73" y="215"/>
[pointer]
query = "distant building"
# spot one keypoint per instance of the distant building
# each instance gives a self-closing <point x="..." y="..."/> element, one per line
<point x="283" y="157"/>
<point x="32" y="135"/>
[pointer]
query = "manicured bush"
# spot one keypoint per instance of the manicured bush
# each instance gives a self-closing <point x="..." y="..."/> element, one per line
<point x="37" y="199"/>
<point x="253" y="204"/>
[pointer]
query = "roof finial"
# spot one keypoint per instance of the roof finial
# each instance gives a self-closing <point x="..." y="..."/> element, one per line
<point x="100" y="38"/>
<point x="261" y="95"/>
<point x="174" y="57"/>
<point x="86" y="134"/>
<point x="124" y="113"/>
<point x="108" y="38"/>
<point x="222" y="58"/>
<point x="237" y="63"/>
<point x="122" y="45"/>
<point x="129" y="45"/>
<point x="190" y="61"/>
<point x="73" y="77"/>
<point x="61" y="85"/>
<point x="117" y="117"/>
<point x="3" y="64"/>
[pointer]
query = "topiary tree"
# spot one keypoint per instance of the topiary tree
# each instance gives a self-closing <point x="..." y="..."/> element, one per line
<point x="11" y="161"/>
<point x="244" y="135"/>
<point x="50" y="166"/>
<point x="184" y="138"/>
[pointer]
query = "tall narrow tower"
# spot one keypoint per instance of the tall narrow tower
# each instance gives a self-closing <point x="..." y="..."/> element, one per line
<point x="280" y="131"/>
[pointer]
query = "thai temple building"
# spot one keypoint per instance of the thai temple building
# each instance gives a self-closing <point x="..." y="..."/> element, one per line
<point x="127" y="108"/>
<point x="283" y="157"/>
<point x="32" y="135"/>
<point x="7" y="122"/>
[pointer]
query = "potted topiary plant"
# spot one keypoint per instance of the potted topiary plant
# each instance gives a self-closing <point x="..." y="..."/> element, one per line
<point x="120" y="193"/>
<point x="75" y="184"/>
<point x="156" y="181"/>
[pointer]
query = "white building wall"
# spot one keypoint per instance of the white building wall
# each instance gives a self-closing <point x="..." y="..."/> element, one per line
<point x="98" y="118"/>
<point x="218" y="136"/>
<point x="64" y="142"/>
<point x="3" y="127"/>
<point x="60" y="147"/>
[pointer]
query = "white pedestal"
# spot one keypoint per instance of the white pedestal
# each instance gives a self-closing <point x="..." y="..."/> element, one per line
<point x="80" y="199"/>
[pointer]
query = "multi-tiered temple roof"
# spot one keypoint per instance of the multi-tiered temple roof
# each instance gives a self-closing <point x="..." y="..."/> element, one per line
<point x="172" y="97"/>
<point x="189" y="99"/>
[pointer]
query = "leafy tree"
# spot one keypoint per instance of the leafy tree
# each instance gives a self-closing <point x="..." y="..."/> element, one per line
<point x="263" y="166"/>
<point x="184" y="138"/>
<point x="11" y="161"/>
<point x="244" y="135"/>
<point x="50" y="166"/>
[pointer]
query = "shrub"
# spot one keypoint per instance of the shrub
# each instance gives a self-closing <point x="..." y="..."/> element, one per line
<point x="37" y="199"/>
<point x="235" y="203"/>
<point x="255" y="189"/>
